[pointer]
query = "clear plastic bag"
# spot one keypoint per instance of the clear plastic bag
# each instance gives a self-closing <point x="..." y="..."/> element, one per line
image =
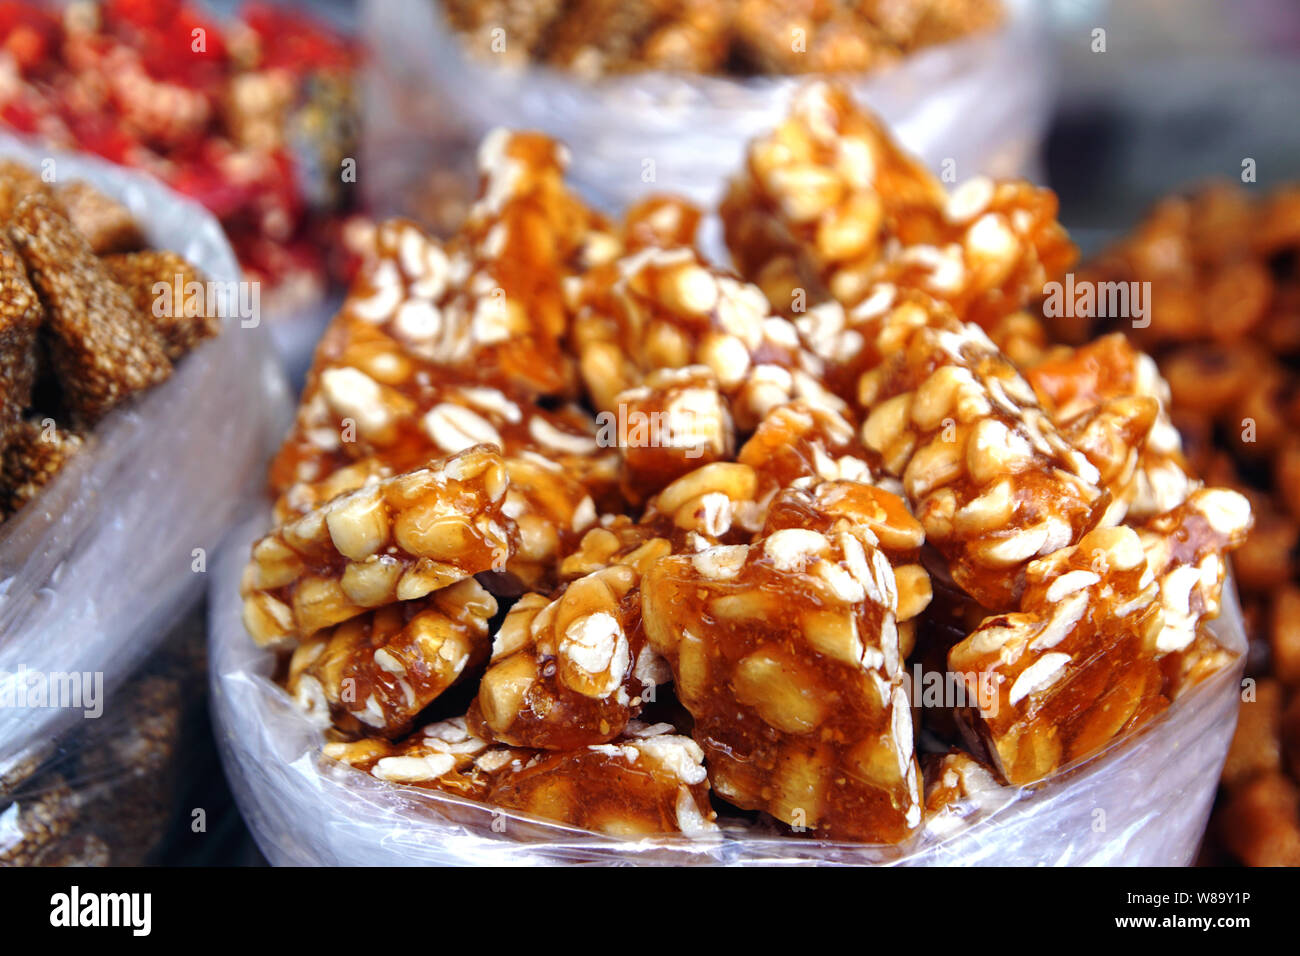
<point x="110" y="791"/>
<point x="982" y="102"/>
<point x="95" y="570"/>
<point x="1144" y="801"/>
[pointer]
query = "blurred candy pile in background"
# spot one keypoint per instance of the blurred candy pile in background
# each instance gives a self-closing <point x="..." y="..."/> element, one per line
<point x="252" y="115"/>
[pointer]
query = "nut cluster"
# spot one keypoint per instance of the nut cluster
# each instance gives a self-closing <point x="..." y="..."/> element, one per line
<point x="705" y="532"/>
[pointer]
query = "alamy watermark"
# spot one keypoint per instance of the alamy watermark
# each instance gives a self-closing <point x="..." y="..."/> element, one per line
<point x="182" y="298"/>
<point x="1084" y="299"/>
<point x="26" y="689"/>
<point x="938" y="689"/>
<point x="632" y="428"/>
<point x="74" y="909"/>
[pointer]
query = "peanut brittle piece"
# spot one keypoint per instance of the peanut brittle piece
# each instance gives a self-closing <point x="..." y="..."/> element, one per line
<point x="1076" y="667"/>
<point x="557" y="470"/>
<point x="525" y="233"/>
<point x="569" y="672"/>
<point x="397" y="539"/>
<point x="829" y="206"/>
<point x="20" y="317"/>
<point x="672" y="423"/>
<point x="994" y="249"/>
<point x="106" y="223"/>
<point x="371" y="405"/>
<point x="786" y="654"/>
<point x="37" y="451"/>
<point x="101" y="349"/>
<point x="369" y="394"/>
<point x="649" y="781"/>
<point x="819" y="198"/>
<point x="1080" y="663"/>
<point x="1186" y="550"/>
<point x="181" y="314"/>
<point x="443" y="756"/>
<point x="491" y="298"/>
<point x="376" y="672"/>
<point x="434" y="302"/>
<point x="986" y="471"/>
<point x="667" y="309"/>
